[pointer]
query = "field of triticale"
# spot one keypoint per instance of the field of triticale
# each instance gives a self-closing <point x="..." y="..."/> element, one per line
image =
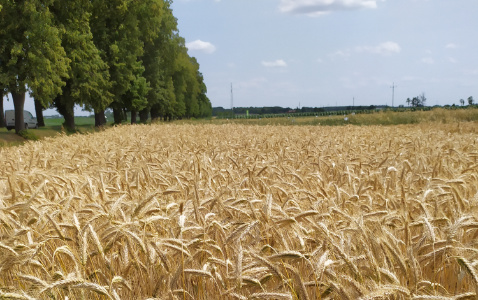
<point x="242" y="212"/>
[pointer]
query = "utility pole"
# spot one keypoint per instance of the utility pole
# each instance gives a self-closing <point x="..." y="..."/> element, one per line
<point x="232" y="100"/>
<point x="393" y="91"/>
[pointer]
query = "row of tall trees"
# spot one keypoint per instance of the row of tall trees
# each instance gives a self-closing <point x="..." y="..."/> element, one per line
<point x="122" y="54"/>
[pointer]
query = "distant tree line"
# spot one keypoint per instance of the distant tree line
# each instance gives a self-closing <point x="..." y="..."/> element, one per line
<point x="268" y="110"/>
<point x="119" y="54"/>
<point x="470" y="101"/>
<point x="418" y="101"/>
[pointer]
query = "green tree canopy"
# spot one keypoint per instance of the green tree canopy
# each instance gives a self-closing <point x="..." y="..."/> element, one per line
<point x="419" y="100"/>
<point x="122" y="54"/>
<point x="120" y="30"/>
<point x="31" y="56"/>
<point x="158" y="60"/>
<point x="88" y="81"/>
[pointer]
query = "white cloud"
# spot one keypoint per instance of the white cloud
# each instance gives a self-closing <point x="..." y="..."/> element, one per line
<point x="276" y="63"/>
<point x="428" y="60"/>
<point x="411" y="78"/>
<point x="385" y="48"/>
<point x="320" y="7"/>
<point x="452" y="60"/>
<point x="357" y="80"/>
<point x="471" y="72"/>
<point x="256" y="82"/>
<point x="451" y="46"/>
<point x="340" y="54"/>
<point x="199" y="45"/>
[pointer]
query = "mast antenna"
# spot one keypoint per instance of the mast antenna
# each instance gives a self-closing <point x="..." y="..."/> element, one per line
<point x="232" y="99"/>
<point x="393" y="91"/>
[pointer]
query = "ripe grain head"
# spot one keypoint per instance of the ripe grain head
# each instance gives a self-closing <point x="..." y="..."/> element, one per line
<point x="214" y="211"/>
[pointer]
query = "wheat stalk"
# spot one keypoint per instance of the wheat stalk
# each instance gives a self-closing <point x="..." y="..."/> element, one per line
<point x="204" y="211"/>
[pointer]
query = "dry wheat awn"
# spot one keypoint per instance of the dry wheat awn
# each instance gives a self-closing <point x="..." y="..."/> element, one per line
<point x="180" y="211"/>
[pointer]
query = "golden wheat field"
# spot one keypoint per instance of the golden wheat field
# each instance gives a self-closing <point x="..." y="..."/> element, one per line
<point x="242" y="212"/>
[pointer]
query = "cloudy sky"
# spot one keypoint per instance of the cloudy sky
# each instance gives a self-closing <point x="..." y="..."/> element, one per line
<point x="333" y="52"/>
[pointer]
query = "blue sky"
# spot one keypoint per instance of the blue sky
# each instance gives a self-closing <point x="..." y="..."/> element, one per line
<point x="331" y="52"/>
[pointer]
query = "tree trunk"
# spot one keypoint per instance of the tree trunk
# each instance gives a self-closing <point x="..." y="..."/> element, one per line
<point x="67" y="110"/>
<point x="39" y="112"/>
<point x="69" y="121"/>
<point x="100" y="119"/>
<point x="154" y="113"/>
<point x="118" y="115"/>
<point x="2" y="113"/>
<point x="133" y="116"/>
<point x="19" y="103"/>
<point x="144" y="115"/>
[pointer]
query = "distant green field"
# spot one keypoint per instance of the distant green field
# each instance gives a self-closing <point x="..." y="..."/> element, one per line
<point x="79" y="121"/>
<point x="387" y="118"/>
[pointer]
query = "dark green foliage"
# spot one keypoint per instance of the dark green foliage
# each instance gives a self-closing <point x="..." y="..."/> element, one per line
<point x="418" y="101"/>
<point x="88" y="81"/>
<point x="31" y="55"/>
<point x="99" y="54"/>
<point x="150" y="70"/>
